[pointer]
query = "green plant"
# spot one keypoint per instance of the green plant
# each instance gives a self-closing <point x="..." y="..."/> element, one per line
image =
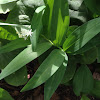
<point x="44" y="25"/>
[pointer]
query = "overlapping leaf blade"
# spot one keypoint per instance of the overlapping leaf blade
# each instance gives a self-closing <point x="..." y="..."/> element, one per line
<point x="4" y="95"/>
<point x="23" y="58"/>
<point x="53" y="82"/>
<point x="83" y="81"/>
<point x="50" y="65"/>
<point x="82" y="35"/>
<point x="4" y="8"/>
<point x="13" y="45"/>
<point x="56" y="20"/>
<point x="36" y="26"/>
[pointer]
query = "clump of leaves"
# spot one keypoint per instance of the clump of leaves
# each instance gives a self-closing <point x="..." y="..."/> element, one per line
<point x="35" y="26"/>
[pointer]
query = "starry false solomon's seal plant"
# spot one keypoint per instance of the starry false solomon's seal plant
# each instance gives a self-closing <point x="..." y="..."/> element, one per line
<point x="42" y="29"/>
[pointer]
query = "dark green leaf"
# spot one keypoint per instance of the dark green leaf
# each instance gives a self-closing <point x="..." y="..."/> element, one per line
<point x="82" y="35"/>
<point x="50" y="65"/>
<point x="98" y="53"/>
<point x="23" y="58"/>
<point x="53" y="82"/>
<point x="70" y="70"/>
<point x="83" y="81"/>
<point x="13" y="45"/>
<point x="4" y="95"/>
<point x="91" y="44"/>
<point x="96" y="89"/>
<point x="18" y="78"/>
<point x="93" y="5"/>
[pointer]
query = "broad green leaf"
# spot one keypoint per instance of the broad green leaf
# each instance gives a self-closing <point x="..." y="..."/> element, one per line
<point x="53" y="82"/>
<point x="17" y="78"/>
<point x="4" y="95"/>
<point x="84" y="97"/>
<point x="13" y="45"/>
<point x="93" y="5"/>
<point x="4" y="8"/>
<point x="82" y="35"/>
<point x="36" y="26"/>
<point x="6" y="1"/>
<point x="96" y="89"/>
<point x="70" y="70"/>
<point x="56" y="20"/>
<point x="83" y="81"/>
<point x="91" y="44"/>
<point x="20" y="14"/>
<point x="4" y="34"/>
<point x="33" y="3"/>
<point x="23" y="58"/>
<point x="50" y="65"/>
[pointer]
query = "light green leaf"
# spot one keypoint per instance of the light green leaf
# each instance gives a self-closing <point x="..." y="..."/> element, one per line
<point x="4" y="8"/>
<point x="53" y="82"/>
<point x="36" y="26"/>
<point x="50" y="65"/>
<point x="84" y="97"/>
<point x="82" y="35"/>
<point x="18" y="78"/>
<point x="4" y="34"/>
<point x="6" y="1"/>
<point x="23" y="58"/>
<point x="83" y="81"/>
<point x="13" y="45"/>
<point x="4" y="95"/>
<point x="56" y="20"/>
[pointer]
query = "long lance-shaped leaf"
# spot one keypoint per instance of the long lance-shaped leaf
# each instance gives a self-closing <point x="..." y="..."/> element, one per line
<point x="23" y="58"/>
<point x="46" y="69"/>
<point x="56" y="20"/>
<point x="36" y="25"/>
<point x="53" y="82"/>
<point x="82" y="35"/>
<point x="91" y="44"/>
<point x="6" y="1"/>
<point x="13" y="45"/>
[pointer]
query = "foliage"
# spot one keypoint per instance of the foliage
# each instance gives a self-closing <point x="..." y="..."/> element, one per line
<point x="64" y="33"/>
